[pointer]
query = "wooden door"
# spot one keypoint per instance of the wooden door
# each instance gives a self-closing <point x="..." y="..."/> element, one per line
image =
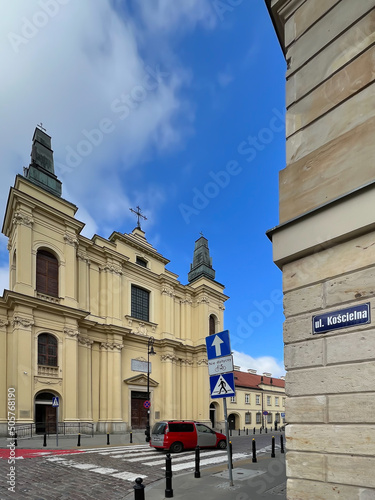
<point x="138" y="411"/>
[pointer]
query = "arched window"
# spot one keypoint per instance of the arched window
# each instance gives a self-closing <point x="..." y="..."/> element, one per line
<point x="140" y="303"/>
<point x="47" y="273"/>
<point x="212" y="325"/>
<point x="47" y="350"/>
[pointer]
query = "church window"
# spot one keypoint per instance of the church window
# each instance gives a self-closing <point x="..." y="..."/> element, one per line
<point x="141" y="262"/>
<point x="47" y="273"/>
<point x="140" y="303"/>
<point x="212" y="325"/>
<point x="47" y="350"/>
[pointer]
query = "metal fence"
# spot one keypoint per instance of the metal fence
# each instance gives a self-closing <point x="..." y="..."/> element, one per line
<point x="49" y="428"/>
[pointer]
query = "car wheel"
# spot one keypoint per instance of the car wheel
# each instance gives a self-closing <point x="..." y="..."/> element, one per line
<point x="176" y="447"/>
<point x="222" y="444"/>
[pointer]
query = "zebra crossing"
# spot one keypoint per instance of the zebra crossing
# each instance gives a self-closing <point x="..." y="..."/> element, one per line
<point x="129" y="462"/>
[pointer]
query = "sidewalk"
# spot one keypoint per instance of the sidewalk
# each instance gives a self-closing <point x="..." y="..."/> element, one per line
<point x="263" y="480"/>
<point x="68" y="442"/>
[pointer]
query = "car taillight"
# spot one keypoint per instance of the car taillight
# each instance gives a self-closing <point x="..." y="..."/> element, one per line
<point x="166" y="430"/>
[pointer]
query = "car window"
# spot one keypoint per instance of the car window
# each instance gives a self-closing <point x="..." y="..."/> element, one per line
<point x="204" y="428"/>
<point x="159" y="428"/>
<point x="180" y="427"/>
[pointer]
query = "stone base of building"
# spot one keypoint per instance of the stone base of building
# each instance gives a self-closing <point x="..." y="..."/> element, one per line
<point x="111" y="427"/>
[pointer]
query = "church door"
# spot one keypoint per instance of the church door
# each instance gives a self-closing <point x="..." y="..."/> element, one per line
<point x="138" y="411"/>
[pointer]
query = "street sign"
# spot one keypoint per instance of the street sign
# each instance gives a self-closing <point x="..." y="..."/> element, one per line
<point x="344" y="318"/>
<point x="282" y="415"/>
<point x="222" y="386"/>
<point x="220" y="365"/>
<point x="147" y="404"/>
<point x="265" y="413"/>
<point x="55" y="402"/>
<point x="218" y="345"/>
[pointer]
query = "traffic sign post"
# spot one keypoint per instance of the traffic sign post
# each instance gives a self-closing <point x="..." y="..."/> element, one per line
<point x="220" y="369"/>
<point x="56" y="404"/>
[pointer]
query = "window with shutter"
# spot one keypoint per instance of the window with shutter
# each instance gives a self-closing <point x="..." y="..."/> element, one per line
<point x="47" y="350"/>
<point x="47" y="273"/>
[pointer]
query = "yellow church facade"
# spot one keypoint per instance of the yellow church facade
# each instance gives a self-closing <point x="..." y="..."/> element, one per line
<point x="82" y="316"/>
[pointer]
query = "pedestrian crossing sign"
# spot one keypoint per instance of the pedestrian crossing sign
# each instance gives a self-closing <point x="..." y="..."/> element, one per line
<point x="55" y="402"/>
<point x="222" y="386"/>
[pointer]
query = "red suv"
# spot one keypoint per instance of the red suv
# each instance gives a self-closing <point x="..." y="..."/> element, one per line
<point x="177" y="435"/>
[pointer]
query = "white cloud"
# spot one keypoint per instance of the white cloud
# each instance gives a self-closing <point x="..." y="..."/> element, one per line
<point x="225" y="78"/>
<point x="262" y="364"/>
<point x="173" y="16"/>
<point x="80" y="70"/>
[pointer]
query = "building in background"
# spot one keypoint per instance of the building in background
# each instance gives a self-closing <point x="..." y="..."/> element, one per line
<point x="324" y="246"/>
<point x="81" y="314"/>
<point x="259" y="402"/>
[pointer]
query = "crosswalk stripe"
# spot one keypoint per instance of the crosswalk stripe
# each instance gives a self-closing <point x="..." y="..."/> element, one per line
<point x="209" y="461"/>
<point x="128" y="476"/>
<point x="185" y="457"/>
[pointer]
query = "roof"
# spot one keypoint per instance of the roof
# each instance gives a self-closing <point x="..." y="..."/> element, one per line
<point x="251" y="380"/>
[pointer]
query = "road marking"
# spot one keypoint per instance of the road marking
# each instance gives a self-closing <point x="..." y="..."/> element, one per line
<point x="209" y="461"/>
<point x="186" y="457"/>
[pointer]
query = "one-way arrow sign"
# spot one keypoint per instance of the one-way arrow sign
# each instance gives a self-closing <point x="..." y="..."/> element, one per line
<point x="218" y="345"/>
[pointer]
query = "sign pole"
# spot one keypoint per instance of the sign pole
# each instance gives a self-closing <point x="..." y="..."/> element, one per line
<point x="57" y="427"/>
<point x="228" y="447"/>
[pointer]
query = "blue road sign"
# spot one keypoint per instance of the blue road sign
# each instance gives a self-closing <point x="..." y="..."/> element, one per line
<point x="222" y="386"/>
<point x="344" y="318"/>
<point x="282" y="415"/>
<point x="218" y="345"/>
<point x="55" y="402"/>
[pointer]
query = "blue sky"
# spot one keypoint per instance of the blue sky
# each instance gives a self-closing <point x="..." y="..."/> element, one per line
<point x="177" y="107"/>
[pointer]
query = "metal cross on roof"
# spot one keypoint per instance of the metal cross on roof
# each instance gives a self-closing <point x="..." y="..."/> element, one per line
<point x="40" y="125"/>
<point x="139" y="214"/>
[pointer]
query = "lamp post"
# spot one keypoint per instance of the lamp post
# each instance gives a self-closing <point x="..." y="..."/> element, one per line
<point x="150" y="351"/>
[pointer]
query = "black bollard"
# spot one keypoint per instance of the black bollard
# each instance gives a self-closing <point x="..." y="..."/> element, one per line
<point x="266" y="430"/>
<point x="45" y="440"/>
<point x="231" y="453"/>
<point x="281" y="443"/>
<point x="79" y="440"/>
<point x="254" y="430"/>
<point x="15" y="439"/>
<point x="168" y="476"/>
<point x="239" y="432"/>
<point x="139" y="489"/>
<point x="260" y="431"/>
<point x="247" y="431"/>
<point x="197" y="473"/>
<point x="107" y="438"/>
<point x="275" y="426"/>
<point x="131" y="437"/>
<point x="273" y="447"/>
<point x="254" y="451"/>
<point x="230" y="432"/>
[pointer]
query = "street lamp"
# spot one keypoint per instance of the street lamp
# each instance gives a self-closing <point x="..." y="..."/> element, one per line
<point x="150" y="351"/>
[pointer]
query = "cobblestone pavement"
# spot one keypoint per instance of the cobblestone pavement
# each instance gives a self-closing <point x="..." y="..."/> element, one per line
<point x="93" y="473"/>
<point x="99" y="473"/>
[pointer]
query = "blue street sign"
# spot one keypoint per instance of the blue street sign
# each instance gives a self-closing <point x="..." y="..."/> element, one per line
<point x="218" y="345"/>
<point x="344" y="318"/>
<point x="55" y="402"/>
<point x="283" y="415"/>
<point x="222" y="386"/>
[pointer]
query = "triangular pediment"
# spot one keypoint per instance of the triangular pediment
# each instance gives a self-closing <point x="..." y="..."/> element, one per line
<point x="141" y="380"/>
